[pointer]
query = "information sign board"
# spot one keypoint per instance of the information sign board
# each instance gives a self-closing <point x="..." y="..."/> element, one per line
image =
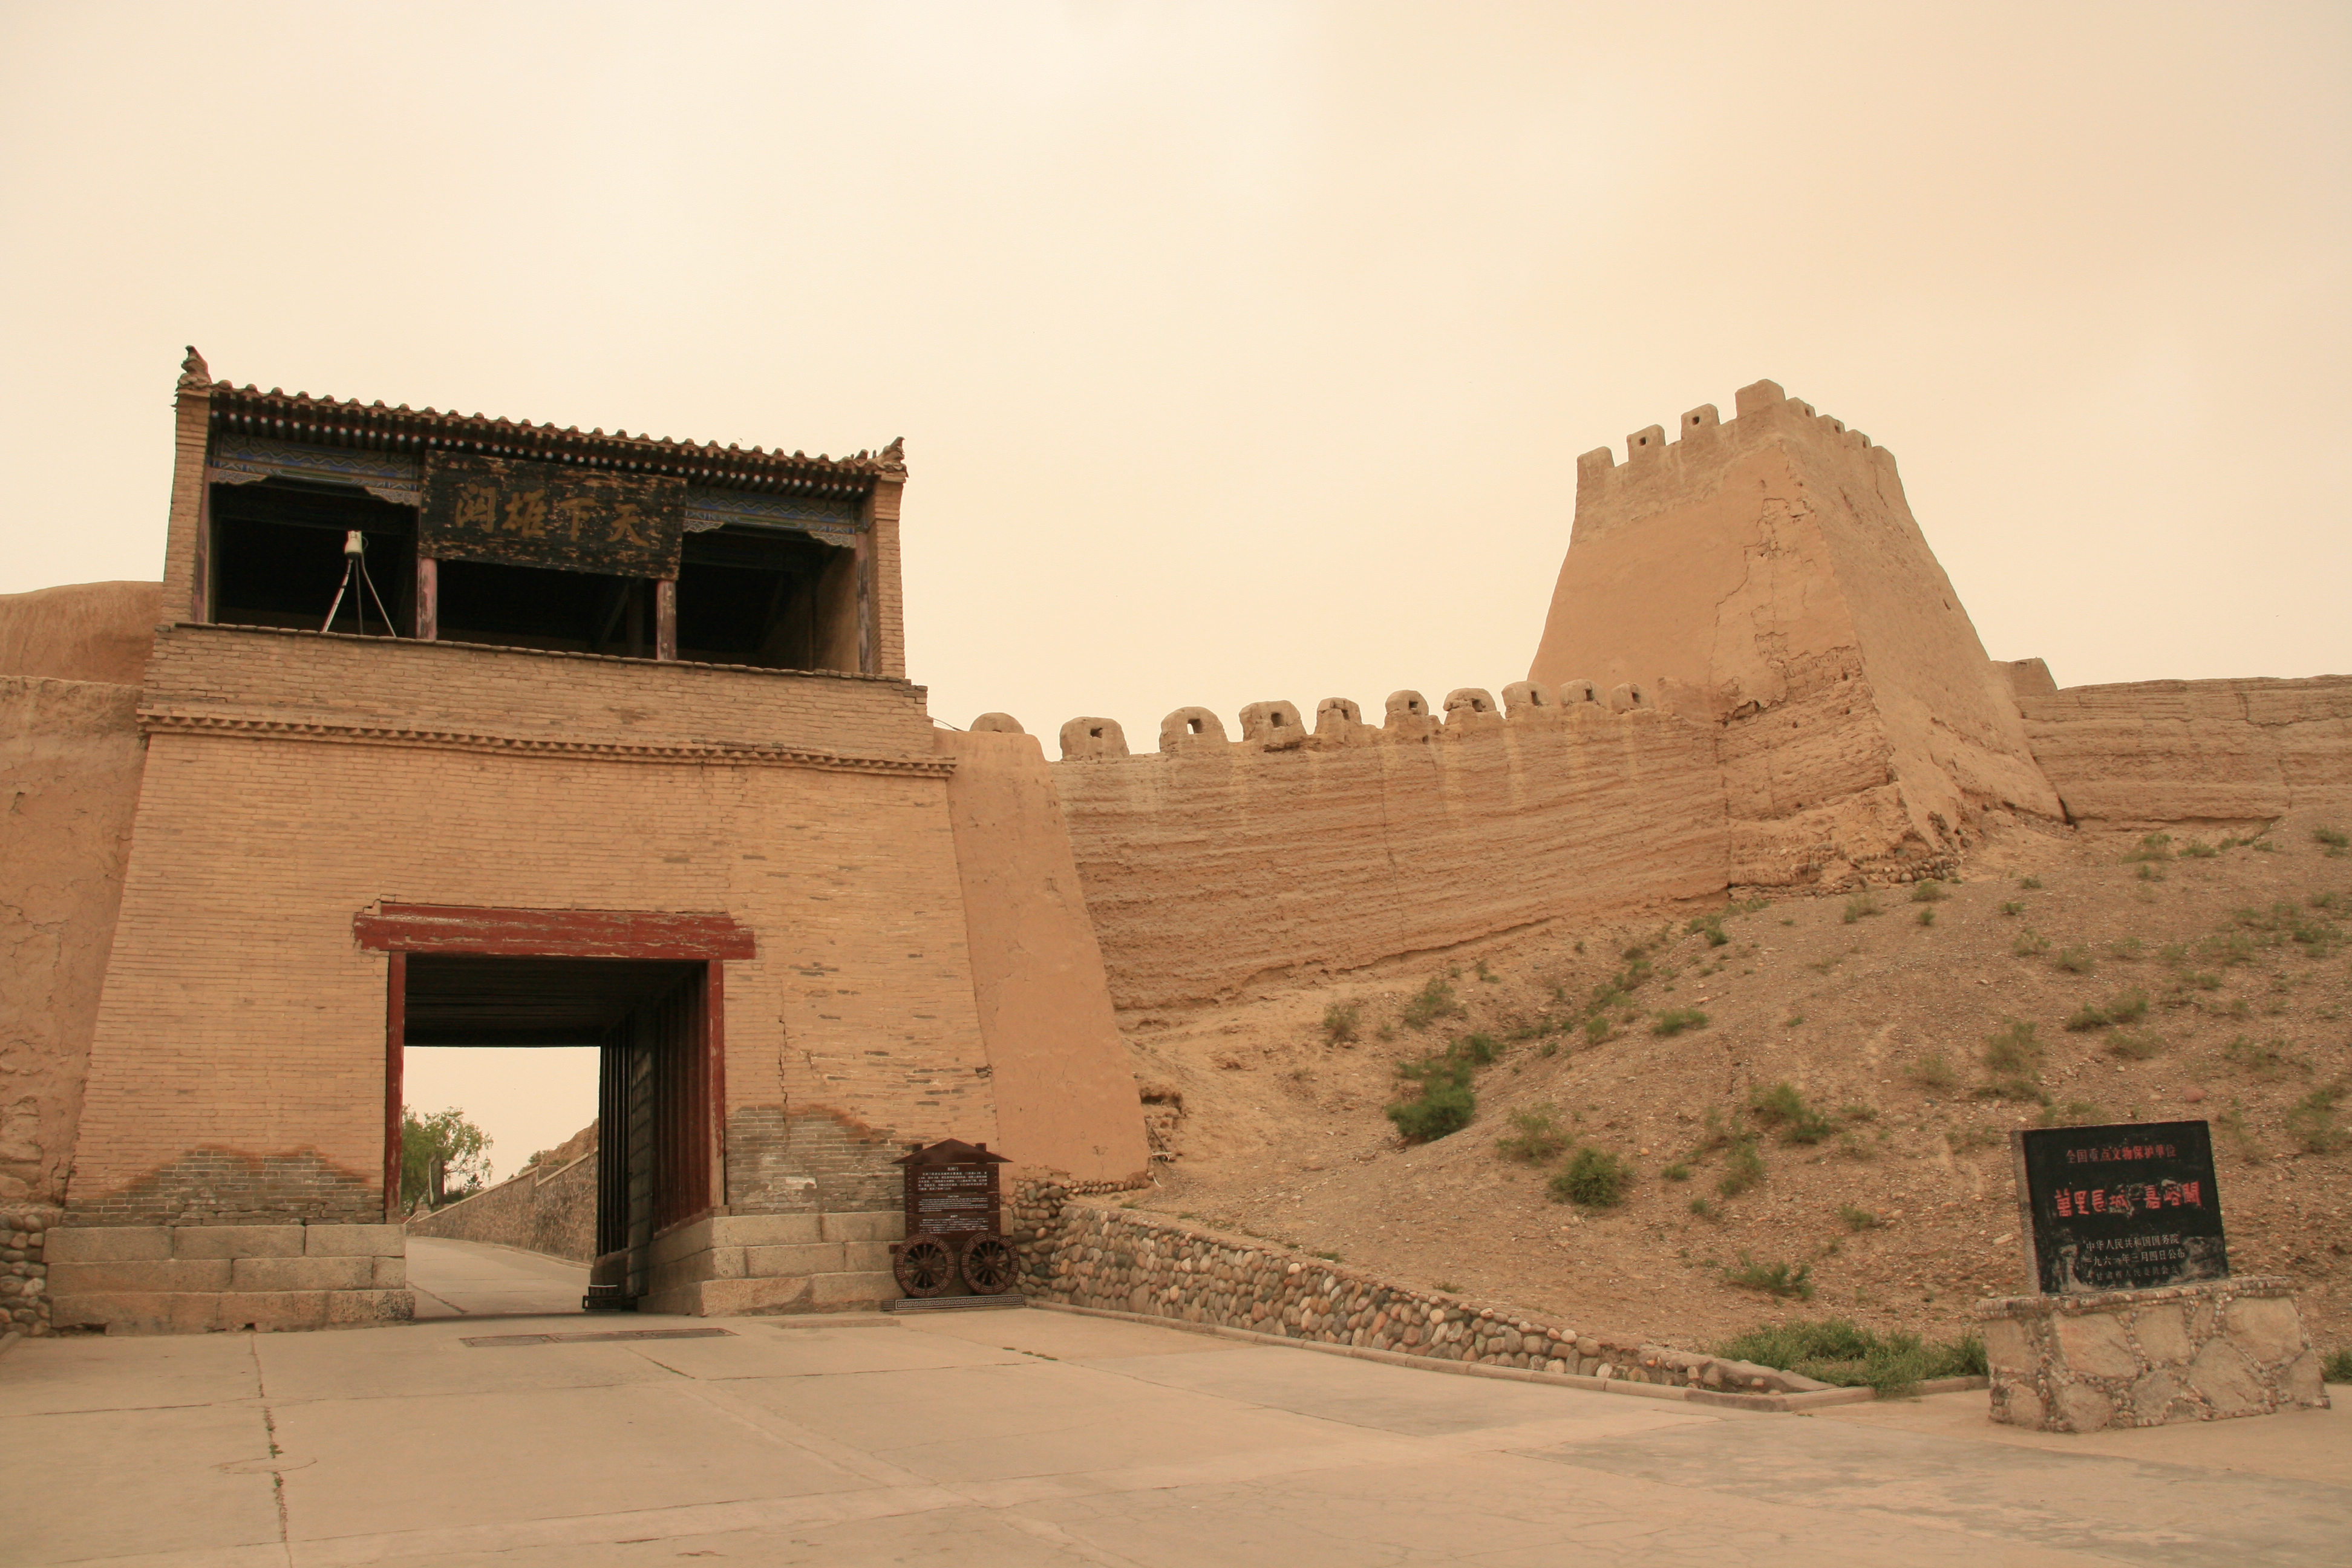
<point x="2120" y="1208"/>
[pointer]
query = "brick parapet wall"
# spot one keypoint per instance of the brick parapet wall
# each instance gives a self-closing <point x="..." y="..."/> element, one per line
<point x="1209" y="866"/>
<point x="1087" y="1254"/>
<point x="464" y="688"/>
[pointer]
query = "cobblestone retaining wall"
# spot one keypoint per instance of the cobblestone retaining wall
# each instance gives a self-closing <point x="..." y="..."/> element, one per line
<point x="25" y="1270"/>
<point x="1091" y="1255"/>
<point x="2143" y="1358"/>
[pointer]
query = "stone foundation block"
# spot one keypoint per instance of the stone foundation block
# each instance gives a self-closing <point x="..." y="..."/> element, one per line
<point x="692" y="1267"/>
<point x="846" y="1290"/>
<point x="768" y="1229"/>
<point x="888" y="1225"/>
<point x="137" y="1312"/>
<point x="743" y="1298"/>
<point x="865" y="1257"/>
<point x="355" y="1241"/>
<point x="2206" y="1351"/>
<point x="237" y="1240"/>
<point x="360" y="1308"/>
<point x="391" y="1273"/>
<point x="108" y="1244"/>
<point x="672" y="1245"/>
<point x="801" y="1258"/>
<point x="303" y="1274"/>
<point x="141" y="1275"/>
<point x="272" y="1312"/>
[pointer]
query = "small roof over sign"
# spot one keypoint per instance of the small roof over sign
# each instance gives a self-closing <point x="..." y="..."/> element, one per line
<point x="953" y="1151"/>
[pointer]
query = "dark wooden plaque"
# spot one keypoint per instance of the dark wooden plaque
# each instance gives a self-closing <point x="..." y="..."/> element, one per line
<point x="951" y="1190"/>
<point x="2120" y="1208"/>
<point x="549" y="514"/>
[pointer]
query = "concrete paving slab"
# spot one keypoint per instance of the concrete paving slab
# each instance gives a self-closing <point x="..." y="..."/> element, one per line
<point x="177" y="1480"/>
<point x="75" y="1371"/>
<point x="478" y="1280"/>
<point x="1058" y="1444"/>
<point x="493" y="1458"/>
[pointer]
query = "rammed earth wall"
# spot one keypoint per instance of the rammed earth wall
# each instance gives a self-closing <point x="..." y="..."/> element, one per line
<point x="1087" y="1254"/>
<point x="551" y="1210"/>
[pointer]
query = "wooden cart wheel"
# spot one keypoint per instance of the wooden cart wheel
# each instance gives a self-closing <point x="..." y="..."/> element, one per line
<point x="924" y="1265"/>
<point x="988" y="1265"/>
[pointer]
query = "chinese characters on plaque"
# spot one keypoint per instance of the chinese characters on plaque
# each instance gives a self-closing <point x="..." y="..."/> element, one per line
<point x="951" y="1190"/>
<point x="521" y="513"/>
<point x="2120" y="1208"/>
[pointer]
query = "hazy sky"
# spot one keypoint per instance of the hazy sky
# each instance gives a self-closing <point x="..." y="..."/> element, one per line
<point x="1242" y="352"/>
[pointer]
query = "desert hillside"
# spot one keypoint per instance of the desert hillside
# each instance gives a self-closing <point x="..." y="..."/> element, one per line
<point x="1883" y="1168"/>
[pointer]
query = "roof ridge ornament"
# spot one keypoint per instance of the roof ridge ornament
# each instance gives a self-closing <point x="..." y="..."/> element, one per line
<point x="194" y="375"/>
<point x="892" y="458"/>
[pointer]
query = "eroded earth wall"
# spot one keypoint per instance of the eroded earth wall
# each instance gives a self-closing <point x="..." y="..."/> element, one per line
<point x="549" y="1208"/>
<point x="1216" y="863"/>
<point x="70" y="771"/>
<point x="2157" y="752"/>
<point x="1766" y="572"/>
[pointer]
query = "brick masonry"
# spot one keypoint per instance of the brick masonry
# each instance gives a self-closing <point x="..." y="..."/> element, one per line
<point x="2147" y="1358"/>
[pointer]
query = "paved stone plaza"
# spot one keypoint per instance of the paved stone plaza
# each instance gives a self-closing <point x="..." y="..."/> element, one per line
<point x="1044" y="1437"/>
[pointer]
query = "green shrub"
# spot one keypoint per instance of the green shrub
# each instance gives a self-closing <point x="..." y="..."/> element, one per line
<point x="1927" y="917"/>
<point x="1679" y="1171"/>
<point x="2127" y="949"/>
<point x="2124" y="1007"/>
<point x="2261" y="1061"/>
<point x="1477" y="1049"/>
<point x="1535" y="1136"/>
<point x="1432" y="1002"/>
<point x="1440" y="1108"/>
<point x="2074" y="959"/>
<point x="2013" y="907"/>
<point x="1857" y="1218"/>
<point x="2151" y="873"/>
<point x="1675" y="1020"/>
<point x="2332" y="840"/>
<point x="2155" y="847"/>
<point x="1927" y="892"/>
<point x="1838" y="1351"/>
<point x="1593" y="1179"/>
<point x="2196" y="851"/>
<point x="2031" y="884"/>
<point x="1340" y="1021"/>
<point x="1596" y="1029"/>
<point x="2337" y="1367"/>
<point x="1743" y="1169"/>
<point x="2132" y="1047"/>
<point x="1701" y="1207"/>
<point x="1773" y="1280"/>
<point x="1709" y="926"/>
<point x="1862" y="906"/>
<point x="1783" y="1107"/>
<point x="2030" y="944"/>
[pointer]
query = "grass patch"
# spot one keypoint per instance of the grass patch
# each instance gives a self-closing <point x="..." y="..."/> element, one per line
<point x="1782" y="1280"/>
<point x="2074" y="959"/>
<point x="1446" y="1102"/>
<point x="1928" y="893"/>
<point x="2124" y="1008"/>
<point x="1932" y="1072"/>
<point x="2337" y="1367"/>
<point x="1854" y="1219"/>
<point x="2031" y="884"/>
<point x="1927" y="917"/>
<point x="1679" y="1171"/>
<point x="1675" y="1020"/>
<point x="1593" y="1179"/>
<point x="1710" y="927"/>
<point x="2262" y="1061"/>
<point x="2193" y="850"/>
<point x="2013" y="907"/>
<point x="2015" y="1050"/>
<point x="1837" y="1352"/>
<point x="2332" y="840"/>
<point x="2132" y="1046"/>
<point x="1861" y="907"/>
<point x="1431" y="1002"/>
<point x="1783" y="1107"/>
<point x="1535" y="1136"/>
<point x="2312" y="1120"/>
<point x="1743" y="1169"/>
<point x="1701" y="1207"/>
<point x="2155" y="847"/>
<point x="2030" y="944"/>
<point x="1339" y="1022"/>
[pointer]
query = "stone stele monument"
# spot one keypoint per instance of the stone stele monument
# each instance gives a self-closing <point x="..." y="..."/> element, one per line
<point x="2135" y="1320"/>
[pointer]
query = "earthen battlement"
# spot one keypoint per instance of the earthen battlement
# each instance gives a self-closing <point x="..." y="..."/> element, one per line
<point x="1276" y="726"/>
<point x="1659" y="470"/>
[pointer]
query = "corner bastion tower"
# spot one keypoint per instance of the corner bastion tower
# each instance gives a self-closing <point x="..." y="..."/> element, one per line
<point x="1768" y="574"/>
<point x="607" y="740"/>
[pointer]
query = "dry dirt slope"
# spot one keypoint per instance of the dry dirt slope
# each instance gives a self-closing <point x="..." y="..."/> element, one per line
<point x="1281" y="1129"/>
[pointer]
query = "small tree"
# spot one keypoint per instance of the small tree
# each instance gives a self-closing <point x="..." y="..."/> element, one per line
<point x="439" y="1154"/>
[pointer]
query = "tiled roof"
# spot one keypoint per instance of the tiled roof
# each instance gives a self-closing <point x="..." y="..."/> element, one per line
<point x="280" y="415"/>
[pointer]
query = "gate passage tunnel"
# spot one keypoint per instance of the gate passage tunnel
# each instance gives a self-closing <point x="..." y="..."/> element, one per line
<point x="655" y="1023"/>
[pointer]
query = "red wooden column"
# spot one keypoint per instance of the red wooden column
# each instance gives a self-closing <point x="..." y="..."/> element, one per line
<point x="396" y="1038"/>
<point x="428" y="598"/>
<point x="714" y="1074"/>
<point x="664" y="617"/>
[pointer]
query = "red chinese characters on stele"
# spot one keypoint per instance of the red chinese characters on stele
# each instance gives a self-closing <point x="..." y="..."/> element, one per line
<point x="2119" y="1200"/>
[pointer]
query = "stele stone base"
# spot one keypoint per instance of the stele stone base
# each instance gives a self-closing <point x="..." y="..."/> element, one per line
<point x="2143" y="1358"/>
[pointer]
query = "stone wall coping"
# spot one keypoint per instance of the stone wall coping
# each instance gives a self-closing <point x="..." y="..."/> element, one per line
<point x="1810" y="1400"/>
<point x="2111" y="1301"/>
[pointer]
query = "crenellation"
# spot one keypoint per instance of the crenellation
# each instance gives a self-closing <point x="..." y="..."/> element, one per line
<point x="1275" y="726"/>
<point x="1188" y="728"/>
<point x="1086" y="739"/>
<point x="997" y="724"/>
<point x="1525" y="698"/>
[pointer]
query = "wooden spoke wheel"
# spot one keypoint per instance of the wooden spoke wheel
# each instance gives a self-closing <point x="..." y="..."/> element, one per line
<point x="988" y="1265"/>
<point x="924" y="1265"/>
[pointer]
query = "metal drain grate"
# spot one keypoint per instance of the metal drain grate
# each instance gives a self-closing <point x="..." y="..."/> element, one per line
<point x="502" y="1340"/>
<point x="954" y="1303"/>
